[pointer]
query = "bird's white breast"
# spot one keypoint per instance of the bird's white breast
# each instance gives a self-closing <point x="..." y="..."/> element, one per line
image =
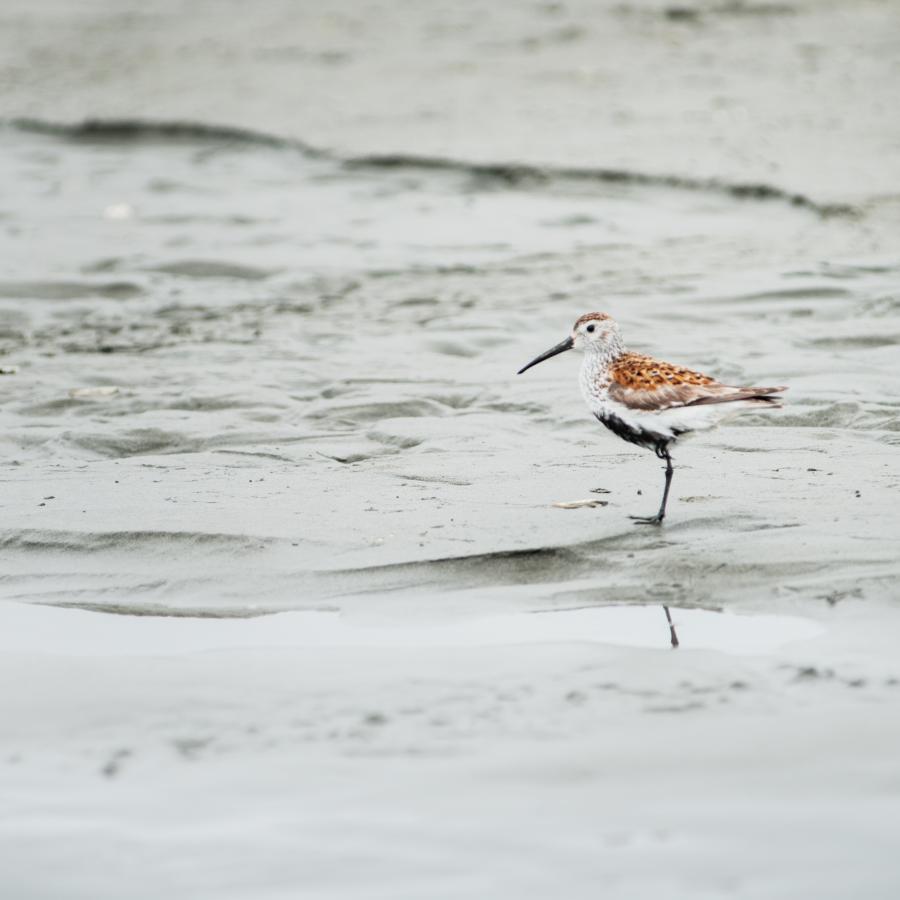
<point x="594" y="379"/>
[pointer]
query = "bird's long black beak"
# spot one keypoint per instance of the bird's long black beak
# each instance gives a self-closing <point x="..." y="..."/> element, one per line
<point x="553" y="351"/>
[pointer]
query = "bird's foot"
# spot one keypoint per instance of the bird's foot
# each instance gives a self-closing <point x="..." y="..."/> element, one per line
<point x="647" y="520"/>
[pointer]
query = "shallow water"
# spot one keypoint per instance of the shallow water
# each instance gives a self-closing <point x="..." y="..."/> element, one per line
<point x="75" y="633"/>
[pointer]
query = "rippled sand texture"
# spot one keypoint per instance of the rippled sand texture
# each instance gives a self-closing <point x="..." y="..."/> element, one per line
<point x="265" y="285"/>
<point x="247" y="356"/>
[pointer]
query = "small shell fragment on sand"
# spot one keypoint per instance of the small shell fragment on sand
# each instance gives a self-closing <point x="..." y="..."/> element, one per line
<point x="89" y="392"/>
<point x="579" y="504"/>
<point x="9" y="370"/>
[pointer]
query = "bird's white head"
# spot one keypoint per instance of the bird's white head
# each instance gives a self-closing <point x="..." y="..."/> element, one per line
<point x="594" y="333"/>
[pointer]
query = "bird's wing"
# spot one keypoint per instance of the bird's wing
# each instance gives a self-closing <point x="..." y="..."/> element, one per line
<point x="643" y="383"/>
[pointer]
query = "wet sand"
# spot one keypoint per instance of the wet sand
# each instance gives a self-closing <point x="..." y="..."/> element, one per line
<point x="261" y="407"/>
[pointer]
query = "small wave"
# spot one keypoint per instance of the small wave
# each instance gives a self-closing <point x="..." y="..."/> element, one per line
<point x="134" y="442"/>
<point x="515" y="174"/>
<point x="813" y="292"/>
<point x="856" y="342"/>
<point x="55" y="541"/>
<point x="68" y="290"/>
<point x="210" y="268"/>
<point x="509" y="174"/>
<point x="155" y="611"/>
<point x="137" y="130"/>
<point x="526" y="566"/>
<point x="355" y="414"/>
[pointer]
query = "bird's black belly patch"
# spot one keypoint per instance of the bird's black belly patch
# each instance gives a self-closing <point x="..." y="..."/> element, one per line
<point x="651" y="440"/>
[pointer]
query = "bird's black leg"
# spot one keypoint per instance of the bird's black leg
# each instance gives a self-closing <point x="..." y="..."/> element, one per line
<point x="673" y="638"/>
<point x="657" y="519"/>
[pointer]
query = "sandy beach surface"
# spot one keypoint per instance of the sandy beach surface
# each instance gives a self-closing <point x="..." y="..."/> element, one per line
<point x="286" y="607"/>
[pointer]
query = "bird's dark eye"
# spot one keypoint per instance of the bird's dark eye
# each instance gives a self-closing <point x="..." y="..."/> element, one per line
<point x="590" y="328"/>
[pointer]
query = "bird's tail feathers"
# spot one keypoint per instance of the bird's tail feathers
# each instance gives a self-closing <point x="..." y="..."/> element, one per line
<point x="758" y="396"/>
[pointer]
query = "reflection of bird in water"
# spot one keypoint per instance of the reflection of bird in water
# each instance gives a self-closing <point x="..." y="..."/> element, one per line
<point x="673" y="638"/>
<point x="645" y="401"/>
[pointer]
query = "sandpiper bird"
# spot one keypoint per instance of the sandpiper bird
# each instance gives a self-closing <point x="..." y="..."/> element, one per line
<point x="646" y="401"/>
